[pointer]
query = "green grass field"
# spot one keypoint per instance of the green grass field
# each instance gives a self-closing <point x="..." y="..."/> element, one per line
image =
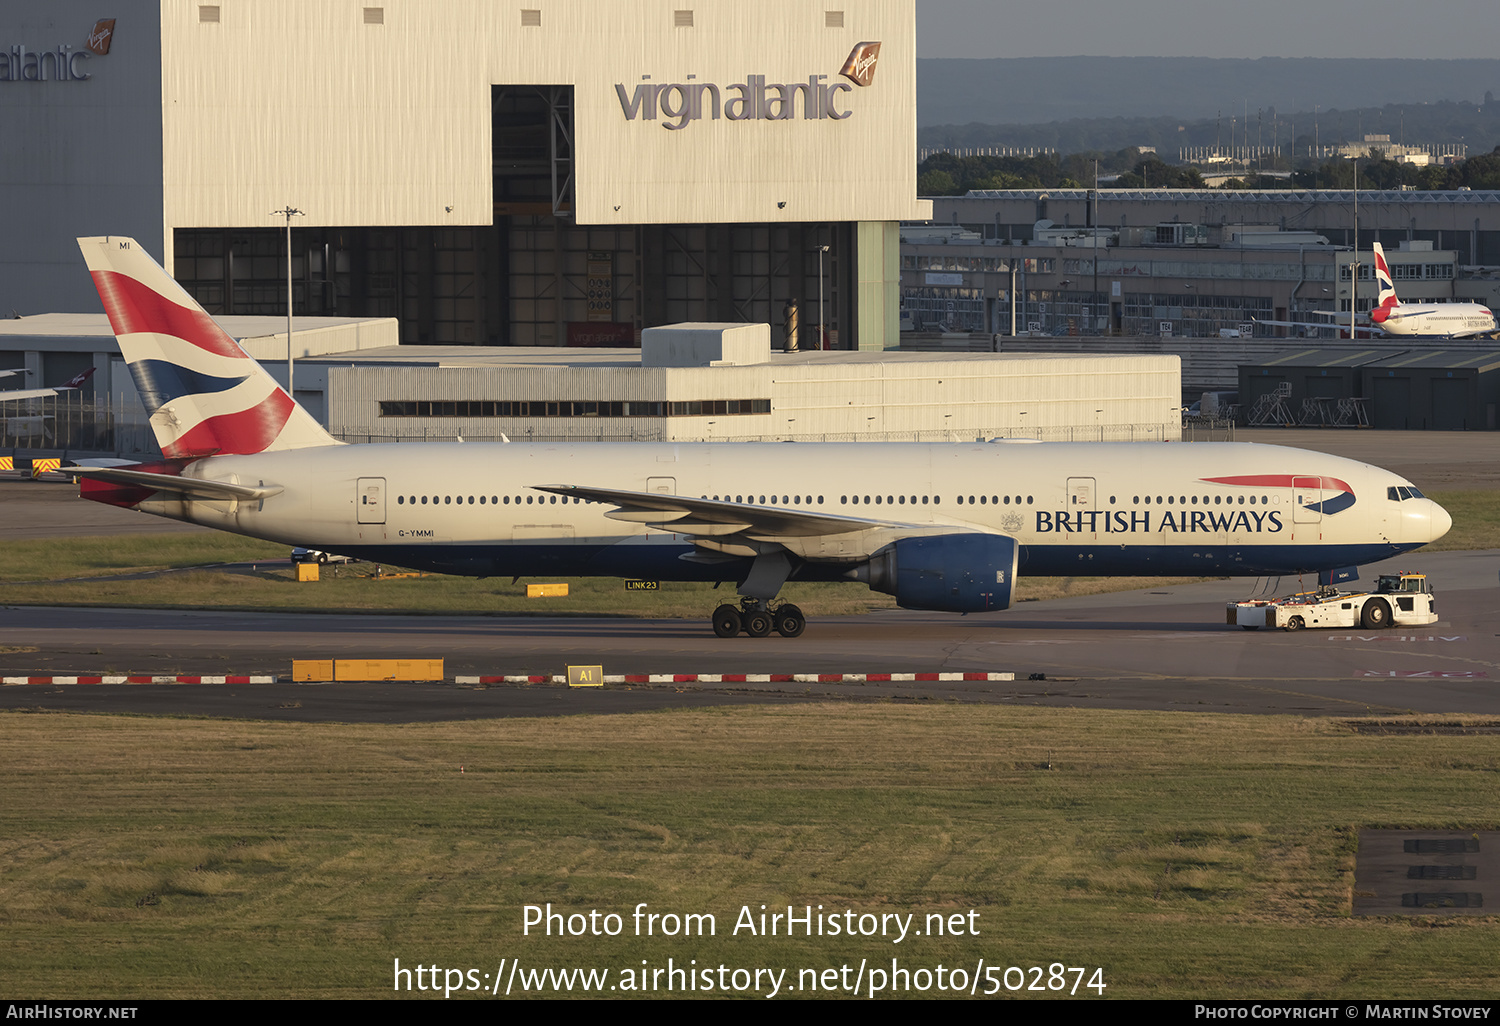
<point x="1185" y="855"/>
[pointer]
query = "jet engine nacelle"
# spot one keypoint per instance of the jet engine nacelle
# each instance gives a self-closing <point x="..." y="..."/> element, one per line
<point x="957" y="573"/>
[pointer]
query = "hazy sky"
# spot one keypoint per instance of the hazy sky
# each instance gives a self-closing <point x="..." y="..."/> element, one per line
<point x="1208" y="28"/>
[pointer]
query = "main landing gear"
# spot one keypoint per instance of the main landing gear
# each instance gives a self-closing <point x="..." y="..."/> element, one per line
<point x="756" y="619"/>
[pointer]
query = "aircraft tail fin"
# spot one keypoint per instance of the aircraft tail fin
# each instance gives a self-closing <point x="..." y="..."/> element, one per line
<point x="77" y="380"/>
<point x="204" y="394"/>
<point x="1386" y="301"/>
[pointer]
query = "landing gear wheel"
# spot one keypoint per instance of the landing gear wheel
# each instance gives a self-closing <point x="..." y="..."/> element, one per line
<point x="727" y="622"/>
<point x="757" y="623"/>
<point x="1295" y="624"/>
<point x="1376" y="615"/>
<point x="790" y="623"/>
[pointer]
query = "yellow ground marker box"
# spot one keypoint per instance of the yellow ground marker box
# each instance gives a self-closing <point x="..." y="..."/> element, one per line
<point x="304" y="670"/>
<point x="359" y="670"/>
<point x="7" y="463"/>
<point x="44" y="466"/>
<point x="307" y="572"/>
<point x="546" y="590"/>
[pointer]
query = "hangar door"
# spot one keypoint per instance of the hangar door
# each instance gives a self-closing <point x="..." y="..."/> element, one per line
<point x="1450" y="404"/>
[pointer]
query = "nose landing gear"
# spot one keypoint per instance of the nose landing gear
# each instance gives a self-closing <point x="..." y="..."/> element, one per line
<point x="756" y="619"/>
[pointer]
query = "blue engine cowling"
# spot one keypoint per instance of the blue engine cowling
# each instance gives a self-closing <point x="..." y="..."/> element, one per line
<point x="957" y="573"/>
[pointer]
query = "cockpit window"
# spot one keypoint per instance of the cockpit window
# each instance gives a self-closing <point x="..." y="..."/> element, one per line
<point x="1401" y="493"/>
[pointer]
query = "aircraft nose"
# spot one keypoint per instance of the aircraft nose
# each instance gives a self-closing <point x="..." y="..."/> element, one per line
<point x="1441" y="521"/>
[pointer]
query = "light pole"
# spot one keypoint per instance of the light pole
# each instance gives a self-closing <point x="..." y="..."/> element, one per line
<point x="822" y="329"/>
<point x="1354" y="267"/>
<point x="288" y="212"/>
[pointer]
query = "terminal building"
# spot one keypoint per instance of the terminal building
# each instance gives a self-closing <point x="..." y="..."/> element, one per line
<point x="1187" y="263"/>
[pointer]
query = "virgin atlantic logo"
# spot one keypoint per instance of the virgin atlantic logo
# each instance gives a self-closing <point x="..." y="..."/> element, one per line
<point x="860" y="67"/>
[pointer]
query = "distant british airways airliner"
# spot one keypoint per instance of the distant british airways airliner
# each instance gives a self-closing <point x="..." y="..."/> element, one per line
<point x="939" y="526"/>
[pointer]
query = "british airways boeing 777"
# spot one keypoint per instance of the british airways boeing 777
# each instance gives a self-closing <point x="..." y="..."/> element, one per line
<point x="939" y="526"/>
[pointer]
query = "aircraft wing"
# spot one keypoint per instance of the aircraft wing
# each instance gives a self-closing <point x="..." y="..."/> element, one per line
<point x="190" y="487"/>
<point x="27" y="393"/>
<point x="1363" y="324"/>
<point x="743" y="529"/>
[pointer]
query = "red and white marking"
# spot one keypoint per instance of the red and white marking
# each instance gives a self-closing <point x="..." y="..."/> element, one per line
<point x="117" y="679"/>
<point x="744" y="678"/>
<point x="616" y="678"/>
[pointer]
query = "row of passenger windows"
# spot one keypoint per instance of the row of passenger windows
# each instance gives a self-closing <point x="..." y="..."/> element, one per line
<point x="1192" y="500"/>
<point x="867" y="500"/>
<point x="877" y="500"/>
<point x="784" y="500"/>
<point x="572" y="408"/>
<point x="491" y="500"/>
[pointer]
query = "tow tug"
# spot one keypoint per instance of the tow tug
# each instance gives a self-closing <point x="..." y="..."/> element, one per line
<point x="1402" y="598"/>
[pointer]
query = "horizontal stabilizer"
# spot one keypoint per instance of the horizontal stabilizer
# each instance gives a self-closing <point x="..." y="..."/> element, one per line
<point x="191" y="487"/>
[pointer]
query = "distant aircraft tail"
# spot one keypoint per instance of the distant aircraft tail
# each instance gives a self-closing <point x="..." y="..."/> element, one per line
<point x="204" y="394"/>
<point x="1386" y="301"/>
<point x="77" y="380"/>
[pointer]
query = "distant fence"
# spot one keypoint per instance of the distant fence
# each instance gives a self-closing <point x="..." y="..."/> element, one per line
<point x="73" y="422"/>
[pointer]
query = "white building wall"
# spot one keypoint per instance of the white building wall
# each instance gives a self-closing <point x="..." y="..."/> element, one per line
<point x="818" y="397"/>
<point x="301" y="102"/>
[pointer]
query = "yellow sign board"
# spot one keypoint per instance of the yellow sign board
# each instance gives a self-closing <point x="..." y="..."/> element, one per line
<point x="585" y="676"/>
<point x="546" y="590"/>
<point x="642" y="585"/>
<point x="43" y="466"/>
<point x="7" y="463"/>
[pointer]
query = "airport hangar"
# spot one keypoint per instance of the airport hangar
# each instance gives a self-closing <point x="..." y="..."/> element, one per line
<point x="536" y="172"/>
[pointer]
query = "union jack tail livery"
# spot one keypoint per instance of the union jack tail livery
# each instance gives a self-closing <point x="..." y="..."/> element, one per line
<point x="204" y="394"/>
<point x="1386" y="301"/>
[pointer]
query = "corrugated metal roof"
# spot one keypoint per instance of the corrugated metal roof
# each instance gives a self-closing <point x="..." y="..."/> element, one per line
<point x="1444" y="359"/>
<point x="1330" y="358"/>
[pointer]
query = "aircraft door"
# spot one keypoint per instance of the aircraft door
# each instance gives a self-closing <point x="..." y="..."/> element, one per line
<point x="370" y="498"/>
<point x="1307" y="498"/>
<point x="1082" y="508"/>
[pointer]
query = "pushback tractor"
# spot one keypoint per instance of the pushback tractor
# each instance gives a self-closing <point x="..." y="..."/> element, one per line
<point x="1403" y="599"/>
